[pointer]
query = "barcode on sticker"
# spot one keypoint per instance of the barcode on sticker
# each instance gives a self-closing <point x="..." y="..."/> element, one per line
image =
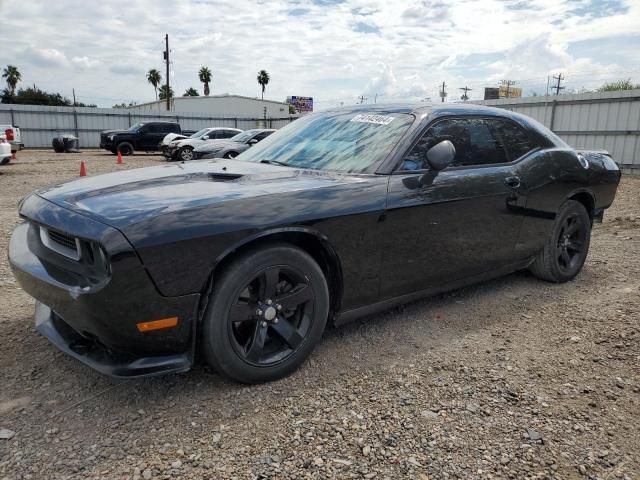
<point x="371" y="118"/>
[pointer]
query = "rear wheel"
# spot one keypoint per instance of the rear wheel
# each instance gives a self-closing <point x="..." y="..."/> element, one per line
<point x="267" y="312"/>
<point x="125" y="148"/>
<point x="566" y="249"/>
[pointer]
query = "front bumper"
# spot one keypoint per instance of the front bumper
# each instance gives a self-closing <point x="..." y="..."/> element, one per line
<point x="92" y="313"/>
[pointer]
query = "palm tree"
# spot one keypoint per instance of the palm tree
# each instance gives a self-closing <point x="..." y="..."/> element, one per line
<point x="154" y="78"/>
<point x="163" y="92"/>
<point x="13" y="76"/>
<point x="205" y="77"/>
<point x="191" y="92"/>
<point x="263" y="80"/>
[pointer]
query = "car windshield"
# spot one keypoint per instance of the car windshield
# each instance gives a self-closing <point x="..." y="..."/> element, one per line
<point x="200" y="133"/>
<point x="244" y="136"/>
<point x="134" y="128"/>
<point x="336" y="141"/>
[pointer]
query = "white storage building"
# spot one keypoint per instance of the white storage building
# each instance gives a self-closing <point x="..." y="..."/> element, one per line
<point x="218" y="106"/>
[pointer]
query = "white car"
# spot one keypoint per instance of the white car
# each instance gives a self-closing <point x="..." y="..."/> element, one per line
<point x="5" y="150"/>
<point x="12" y="135"/>
<point x="182" y="149"/>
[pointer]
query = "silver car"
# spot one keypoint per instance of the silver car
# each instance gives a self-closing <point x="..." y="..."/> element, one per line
<point x="232" y="147"/>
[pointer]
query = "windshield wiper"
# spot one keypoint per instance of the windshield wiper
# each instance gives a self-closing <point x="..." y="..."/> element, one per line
<point x="275" y="162"/>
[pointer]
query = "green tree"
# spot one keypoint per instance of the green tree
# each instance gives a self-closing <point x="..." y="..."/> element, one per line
<point x="35" y="96"/>
<point x="12" y="76"/>
<point x="191" y="92"/>
<point x="205" y="77"/>
<point x="124" y="105"/>
<point x="618" y="85"/>
<point x="263" y="80"/>
<point x="163" y="92"/>
<point x="154" y="78"/>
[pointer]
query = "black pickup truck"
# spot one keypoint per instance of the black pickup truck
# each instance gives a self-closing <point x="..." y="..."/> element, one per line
<point x="141" y="136"/>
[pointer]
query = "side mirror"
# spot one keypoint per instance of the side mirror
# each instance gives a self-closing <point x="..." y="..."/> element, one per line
<point x="253" y="141"/>
<point x="441" y="155"/>
<point x="205" y="137"/>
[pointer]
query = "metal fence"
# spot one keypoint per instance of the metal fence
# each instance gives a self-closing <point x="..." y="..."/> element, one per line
<point x="40" y="124"/>
<point x="603" y="120"/>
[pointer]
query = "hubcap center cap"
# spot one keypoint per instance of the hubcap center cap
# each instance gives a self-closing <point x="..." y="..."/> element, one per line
<point x="270" y="313"/>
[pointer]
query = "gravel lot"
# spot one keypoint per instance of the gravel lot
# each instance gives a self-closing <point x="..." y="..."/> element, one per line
<point x="514" y="378"/>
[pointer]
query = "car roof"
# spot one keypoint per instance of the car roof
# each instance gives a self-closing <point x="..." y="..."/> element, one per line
<point x="419" y="108"/>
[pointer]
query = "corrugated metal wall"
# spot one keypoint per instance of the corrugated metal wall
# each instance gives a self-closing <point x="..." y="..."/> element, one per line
<point x="40" y="124"/>
<point x="604" y="120"/>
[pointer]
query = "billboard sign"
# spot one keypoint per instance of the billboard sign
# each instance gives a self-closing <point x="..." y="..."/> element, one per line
<point x="301" y="104"/>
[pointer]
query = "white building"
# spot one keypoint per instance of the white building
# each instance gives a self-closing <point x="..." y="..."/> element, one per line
<point x="219" y="106"/>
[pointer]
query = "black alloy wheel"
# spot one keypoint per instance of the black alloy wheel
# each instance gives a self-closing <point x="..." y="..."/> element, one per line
<point x="570" y="243"/>
<point x="125" y="148"/>
<point x="267" y="312"/>
<point x="272" y="315"/>
<point x="566" y="249"/>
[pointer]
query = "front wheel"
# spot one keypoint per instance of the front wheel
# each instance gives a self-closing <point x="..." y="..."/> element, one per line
<point x="267" y="312"/>
<point x="566" y="249"/>
<point x="125" y="148"/>
<point x="185" y="154"/>
<point x="5" y="160"/>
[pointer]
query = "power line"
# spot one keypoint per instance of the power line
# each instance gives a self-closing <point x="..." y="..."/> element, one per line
<point x="166" y="60"/>
<point x="558" y="87"/>
<point x="464" y="96"/>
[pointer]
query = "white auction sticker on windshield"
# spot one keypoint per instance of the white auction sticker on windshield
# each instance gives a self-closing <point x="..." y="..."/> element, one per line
<point x="371" y="118"/>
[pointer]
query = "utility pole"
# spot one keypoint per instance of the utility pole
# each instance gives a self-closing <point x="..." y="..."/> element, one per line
<point x="558" y="87"/>
<point x="508" y="84"/>
<point x="375" y="100"/>
<point x="464" y="96"/>
<point x="166" y="59"/>
<point x="74" y="96"/>
<point x="362" y="99"/>
<point x="443" y="92"/>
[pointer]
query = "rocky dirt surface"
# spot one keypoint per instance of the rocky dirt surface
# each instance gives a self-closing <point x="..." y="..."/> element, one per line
<point x="514" y="378"/>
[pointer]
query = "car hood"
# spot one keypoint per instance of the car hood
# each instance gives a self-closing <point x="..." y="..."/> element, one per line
<point x="124" y="198"/>
<point x="111" y="132"/>
<point x="213" y="145"/>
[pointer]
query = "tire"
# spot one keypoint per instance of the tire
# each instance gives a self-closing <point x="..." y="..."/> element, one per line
<point x="5" y="160"/>
<point x="125" y="148"/>
<point x="241" y="338"/>
<point x="230" y="155"/>
<point x="185" y="154"/>
<point x="566" y="249"/>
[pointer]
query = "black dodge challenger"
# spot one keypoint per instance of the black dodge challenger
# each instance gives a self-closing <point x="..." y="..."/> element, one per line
<point x="242" y="262"/>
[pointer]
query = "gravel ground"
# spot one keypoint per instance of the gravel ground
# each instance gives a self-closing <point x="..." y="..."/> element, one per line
<point x="514" y="378"/>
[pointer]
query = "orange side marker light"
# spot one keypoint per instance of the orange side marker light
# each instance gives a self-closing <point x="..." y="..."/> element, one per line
<point x="157" y="324"/>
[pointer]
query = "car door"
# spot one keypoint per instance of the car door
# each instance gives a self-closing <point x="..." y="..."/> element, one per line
<point x="150" y="135"/>
<point x="445" y="226"/>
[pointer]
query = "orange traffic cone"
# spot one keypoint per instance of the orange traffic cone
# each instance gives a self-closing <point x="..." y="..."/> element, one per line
<point x="119" y="161"/>
<point x="83" y="169"/>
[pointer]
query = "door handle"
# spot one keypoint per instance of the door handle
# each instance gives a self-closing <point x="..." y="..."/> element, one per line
<point x="513" y="182"/>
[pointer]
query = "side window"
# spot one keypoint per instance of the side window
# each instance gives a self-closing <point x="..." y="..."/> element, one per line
<point x="214" y="134"/>
<point x="228" y="133"/>
<point x="262" y="136"/>
<point x="473" y="140"/>
<point x="171" y="128"/>
<point x="512" y="137"/>
<point x="152" y="128"/>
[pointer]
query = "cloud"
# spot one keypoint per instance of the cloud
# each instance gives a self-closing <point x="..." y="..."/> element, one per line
<point x="333" y="50"/>
<point x="46" y="57"/>
<point x="125" y="69"/>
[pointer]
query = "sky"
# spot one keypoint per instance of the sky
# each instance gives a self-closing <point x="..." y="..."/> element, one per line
<point x="335" y="51"/>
